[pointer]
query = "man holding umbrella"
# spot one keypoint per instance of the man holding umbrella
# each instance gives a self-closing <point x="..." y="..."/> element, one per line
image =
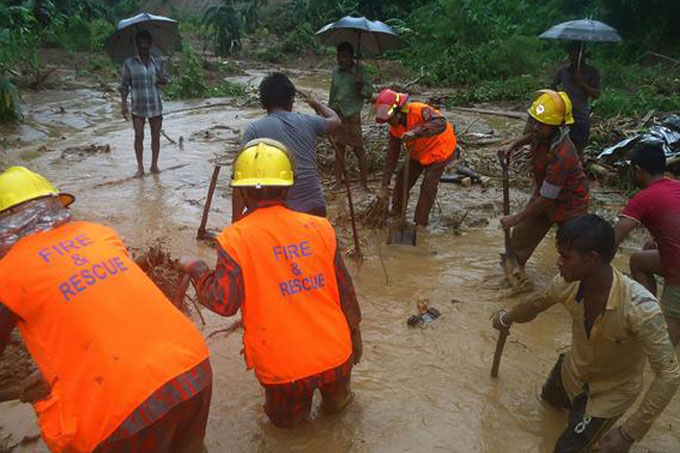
<point x="578" y="79"/>
<point x="349" y="88"/>
<point x="581" y="82"/>
<point x="143" y="76"/>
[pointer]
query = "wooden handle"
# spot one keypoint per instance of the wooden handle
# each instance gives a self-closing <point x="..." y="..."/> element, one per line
<point x="208" y="202"/>
<point x="500" y="344"/>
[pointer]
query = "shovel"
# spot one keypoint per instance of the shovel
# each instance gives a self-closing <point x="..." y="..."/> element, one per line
<point x="405" y="232"/>
<point x="202" y="232"/>
<point x="350" y="203"/>
<point x="511" y="267"/>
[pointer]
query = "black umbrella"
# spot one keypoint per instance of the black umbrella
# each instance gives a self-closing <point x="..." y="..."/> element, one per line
<point x="368" y="36"/>
<point x="121" y="44"/>
<point x="586" y="30"/>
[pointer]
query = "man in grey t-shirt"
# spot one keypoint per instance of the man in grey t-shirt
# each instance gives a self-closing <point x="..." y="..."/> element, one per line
<point x="581" y="82"/>
<point x="298" y="132"/>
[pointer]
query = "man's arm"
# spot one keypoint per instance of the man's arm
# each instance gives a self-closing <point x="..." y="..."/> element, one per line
<point x="349" y="305"/>
<point x="221" y="290"/>
<point x="364" y="86"/>
<point x="592" y="86"/>
<point x="623" y="228"/>
<point x="8" y="320"/>
<point x="653" y="336"/>
<point x="507" y="150"/>
<point x="393" y="148"/>
<point x="124" y="89"/>
<point x="528" y="309"/>
<point x="161" y="74"/>
<point x="434" y="124"/>
<point x="537" y="206"/>
<point x="333" y="123"/>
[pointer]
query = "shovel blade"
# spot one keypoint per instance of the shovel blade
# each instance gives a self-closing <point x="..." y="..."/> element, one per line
<point x="404" y="235"/>
<point x="514" y="274"/>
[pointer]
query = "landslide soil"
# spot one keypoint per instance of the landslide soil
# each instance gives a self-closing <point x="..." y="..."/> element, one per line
<point x="416" y="389"/>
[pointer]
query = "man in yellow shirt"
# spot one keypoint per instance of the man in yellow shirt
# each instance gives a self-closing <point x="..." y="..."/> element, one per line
<point x="617" y="325"/>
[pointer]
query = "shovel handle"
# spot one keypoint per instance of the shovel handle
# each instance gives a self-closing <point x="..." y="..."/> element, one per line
<point x="500" y="345"/>
<point x="206" y="209"/>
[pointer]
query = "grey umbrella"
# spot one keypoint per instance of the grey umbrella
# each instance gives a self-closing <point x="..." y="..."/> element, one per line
<point x="586" y="30"/>
<point x="121" y="44"/>
<point x="368" y="36"/>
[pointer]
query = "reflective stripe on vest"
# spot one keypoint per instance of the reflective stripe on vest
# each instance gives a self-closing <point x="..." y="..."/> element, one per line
<point x="294" y="326"/>
<point x="426" y="150"/>
<point x="99" y="330"/>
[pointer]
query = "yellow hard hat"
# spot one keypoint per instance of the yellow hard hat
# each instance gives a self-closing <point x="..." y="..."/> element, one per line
<point x="19" y="184"/>
<point x="263" y="162"/>
<point x="552" y="108"/>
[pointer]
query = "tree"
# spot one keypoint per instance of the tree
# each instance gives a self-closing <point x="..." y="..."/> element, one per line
<point x="224" y="28"/>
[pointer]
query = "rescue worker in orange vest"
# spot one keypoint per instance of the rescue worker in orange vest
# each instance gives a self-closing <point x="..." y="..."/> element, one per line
<point x="431" y="144"/>
<point x="285" y="272"/>
<point x="121" y="368"/>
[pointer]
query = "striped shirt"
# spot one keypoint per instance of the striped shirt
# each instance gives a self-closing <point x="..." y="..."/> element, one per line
<point x="141" y="83"/>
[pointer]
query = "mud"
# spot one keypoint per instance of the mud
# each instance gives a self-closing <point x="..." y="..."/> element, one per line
<point x="416" y="389"/>
<point x="15" y="363"/>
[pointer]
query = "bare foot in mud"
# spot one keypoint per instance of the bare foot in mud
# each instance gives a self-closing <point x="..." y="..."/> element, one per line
<point x="154" y="170"/>
<point x="139" y="173"/>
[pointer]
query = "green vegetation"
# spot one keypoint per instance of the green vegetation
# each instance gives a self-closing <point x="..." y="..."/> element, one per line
<point x="190" y="82"/>
<point x="224" y="28"/>
<point x="490" y="50"/>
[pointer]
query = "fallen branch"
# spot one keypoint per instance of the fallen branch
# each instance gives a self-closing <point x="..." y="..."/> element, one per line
<point x="664" y="57"/>
<point x="200" y="107"/>
<point x="232" y="328"/>
<point x="518" y="115"/>
<point x="416" y="80"/>
<point x="166" y="136"/>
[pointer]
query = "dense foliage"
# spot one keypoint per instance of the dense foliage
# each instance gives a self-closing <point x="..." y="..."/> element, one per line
<point x="490" y="50"/>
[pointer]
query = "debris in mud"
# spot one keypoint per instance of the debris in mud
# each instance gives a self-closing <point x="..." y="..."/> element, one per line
<point x="16" y="363"/>
<point x="425" y="316"/>
<point x="157" y="262"/>
<point x="78" y="152"/>
<point x="375" y="214"/>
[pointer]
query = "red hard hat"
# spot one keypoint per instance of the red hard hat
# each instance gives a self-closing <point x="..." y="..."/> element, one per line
<point x="388" y="103"/>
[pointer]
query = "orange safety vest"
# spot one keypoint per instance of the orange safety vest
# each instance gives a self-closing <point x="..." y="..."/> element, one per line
<point x="426" y="150"/>
<point x="294" y="326"/>
<point x="102" y="334"/>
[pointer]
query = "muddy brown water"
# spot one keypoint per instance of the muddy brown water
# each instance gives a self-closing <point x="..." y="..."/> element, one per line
<point x="415" y="389"/>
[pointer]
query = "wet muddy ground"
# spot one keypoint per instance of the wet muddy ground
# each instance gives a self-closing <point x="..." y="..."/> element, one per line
<point x="416" y="389"/>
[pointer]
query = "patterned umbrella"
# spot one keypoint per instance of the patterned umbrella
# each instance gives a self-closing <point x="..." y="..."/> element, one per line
<point x="121" y="44"/>
<point x="367" y="36"/>
<point x="587" y="30"/>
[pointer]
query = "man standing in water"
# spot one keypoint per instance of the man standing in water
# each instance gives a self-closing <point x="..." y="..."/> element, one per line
<point x="298" y="132"/>
<point x="143" y="76"/>
<point x="657" y="207"/>
<point x="560" y="191"/>
<point x="284" y="271"/>
<point x="581" y="81"/>
<point x="123" y="369"/>
<point x="617" y="326"/>
<point x="349" y="89"/>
